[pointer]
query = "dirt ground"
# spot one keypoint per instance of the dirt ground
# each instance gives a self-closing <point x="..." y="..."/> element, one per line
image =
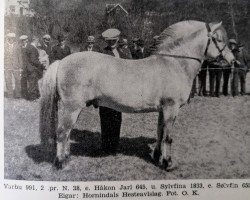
<point x="211" y="140"/>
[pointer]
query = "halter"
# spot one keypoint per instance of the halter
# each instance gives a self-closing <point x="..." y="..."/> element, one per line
<point x="210" y="37"/>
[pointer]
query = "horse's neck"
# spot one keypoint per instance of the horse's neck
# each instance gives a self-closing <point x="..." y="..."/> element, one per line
<point x="194" y="49"/>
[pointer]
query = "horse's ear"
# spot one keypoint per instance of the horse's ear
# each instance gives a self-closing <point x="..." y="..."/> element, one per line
<point x="216" y="26"/>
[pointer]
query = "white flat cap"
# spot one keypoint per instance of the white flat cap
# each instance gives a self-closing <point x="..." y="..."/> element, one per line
<point x="46" y="36"/>
<point x="23" y="37"/>
<point x="232" y="41"/>
<point x="11" y="35"/>
<point x="111" y="34"/>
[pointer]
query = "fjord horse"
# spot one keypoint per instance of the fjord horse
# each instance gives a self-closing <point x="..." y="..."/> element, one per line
<point x="160" y="83"/>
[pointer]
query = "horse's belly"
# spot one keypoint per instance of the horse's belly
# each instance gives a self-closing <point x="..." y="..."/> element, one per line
<point x="127" y="108"/>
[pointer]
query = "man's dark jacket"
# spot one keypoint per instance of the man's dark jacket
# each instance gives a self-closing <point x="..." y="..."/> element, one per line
<point x="31" y="60"/>
<point x="58" y="53"/>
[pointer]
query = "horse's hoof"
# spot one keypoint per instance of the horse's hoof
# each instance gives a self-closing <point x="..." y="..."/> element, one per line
<point x="167" y="164"/>
<point x="58" y="164"/>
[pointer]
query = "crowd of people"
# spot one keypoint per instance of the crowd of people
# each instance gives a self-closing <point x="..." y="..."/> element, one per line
<point x="218" y="68"/>
<point x="26" y="61"/>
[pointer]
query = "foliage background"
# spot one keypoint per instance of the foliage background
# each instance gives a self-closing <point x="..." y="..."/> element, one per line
<point x="79" y="18"/>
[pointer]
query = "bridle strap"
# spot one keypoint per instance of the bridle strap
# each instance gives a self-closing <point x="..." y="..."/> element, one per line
<point x="209" y="38"/>
<point x="214" y="41"/>
<point x="176" y="56"/>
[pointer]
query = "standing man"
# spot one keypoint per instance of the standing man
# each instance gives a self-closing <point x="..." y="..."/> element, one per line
<point x="110" y="119"/>
<point x="215" y="74"/>
<point x="61" y="50"/>
<point x="45" y="45"/>
<point x="227" y="70"/>
<point x="12" y="66"/>
<point x="240" y="71"/>
<point x="134" y="48"/>
<point x="34" y="69"/>
<point x="203" y="79"/>
<point x="24" y="81"/>
<point x="124" y="50"/>
<point x="91" y="45"/>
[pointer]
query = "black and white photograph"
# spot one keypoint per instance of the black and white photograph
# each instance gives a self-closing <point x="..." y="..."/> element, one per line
<point x="125" y="90"/>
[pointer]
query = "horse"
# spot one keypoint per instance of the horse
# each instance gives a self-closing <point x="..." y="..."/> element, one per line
<point x="159" y="83"/>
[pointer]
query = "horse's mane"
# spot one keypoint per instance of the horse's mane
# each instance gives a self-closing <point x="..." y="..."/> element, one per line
<point x="177" y="34"/>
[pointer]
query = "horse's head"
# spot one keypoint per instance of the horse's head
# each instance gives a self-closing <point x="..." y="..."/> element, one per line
<point x="217" y="42"/>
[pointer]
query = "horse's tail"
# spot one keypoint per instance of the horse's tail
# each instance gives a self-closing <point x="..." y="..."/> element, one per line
<point x="49" y="106"/>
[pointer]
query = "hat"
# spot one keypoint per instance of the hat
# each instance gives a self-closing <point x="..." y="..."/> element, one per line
<point x="91" y="39"/>
<point x="23" y="37"/>
<point x="46" y="37"/>
<point x="123" y="41"/>
<point x="11" y="35"/>
<point x="111" y="34"/>
<point x="232" y="41"/>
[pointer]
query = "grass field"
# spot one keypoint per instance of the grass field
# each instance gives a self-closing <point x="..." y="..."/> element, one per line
<point x="211" y="139"/>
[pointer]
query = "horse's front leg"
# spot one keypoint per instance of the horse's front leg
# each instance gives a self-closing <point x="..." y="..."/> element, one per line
<point x="62" y="146"/>
<point x="63" y="136"/>
<point x="169" y="116"/>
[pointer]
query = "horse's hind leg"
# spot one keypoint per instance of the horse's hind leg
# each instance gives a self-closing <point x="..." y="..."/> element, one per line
<point x="66" y="123"/>
<point x="169" y="115"/>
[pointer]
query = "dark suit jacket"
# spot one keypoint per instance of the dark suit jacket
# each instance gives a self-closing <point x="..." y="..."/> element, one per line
<point x="138" y="54"/>
<point x="32" y="59"/>
<point x="95" y="48"/>
<point x="122" y="54"/>
<point x="125" y="53"/>
<point x="58" y="53"/>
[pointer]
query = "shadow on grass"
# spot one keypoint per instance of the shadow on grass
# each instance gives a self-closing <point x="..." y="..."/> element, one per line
<point x="39" y="154"/>
<point x="87" y="143"/>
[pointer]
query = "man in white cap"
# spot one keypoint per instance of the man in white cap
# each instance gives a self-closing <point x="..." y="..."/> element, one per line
<point x="12" y="66"/>
<point x="91" y="45"/>
<point x="110" y="119"/>
<point x="24" y="82"/>
<point x="45" y="45"/>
